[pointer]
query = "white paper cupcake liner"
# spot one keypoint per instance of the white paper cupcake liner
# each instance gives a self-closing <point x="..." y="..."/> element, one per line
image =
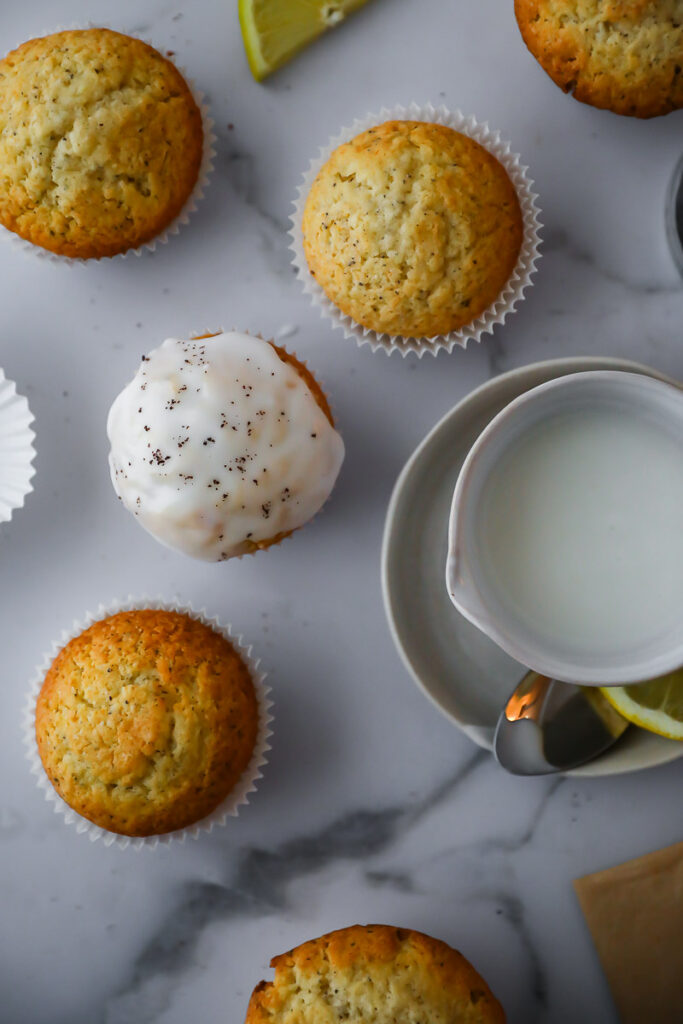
<point x="16" y="449"/>
<point x="238" y="796"/>
<point x="173" y="227"/>
<point x="520" y="279"/>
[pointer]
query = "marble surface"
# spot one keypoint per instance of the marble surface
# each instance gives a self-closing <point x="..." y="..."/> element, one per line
<point x="373" y="807"/>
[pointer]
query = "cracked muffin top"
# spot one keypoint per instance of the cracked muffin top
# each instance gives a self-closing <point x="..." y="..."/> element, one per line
<point x="412" y="229"/>
<point x="100" y="142"/>
<point x="146" y="721"/>
<point x="374" y="973"/>
<point x="621" y="55"/>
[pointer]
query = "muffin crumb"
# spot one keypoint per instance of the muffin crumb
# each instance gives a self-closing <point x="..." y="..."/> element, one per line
<point x="100" y="142"/>
<point x="615" y="54"/>
<point x="374" y="973"/>
<point x="146" y="721"/>
<point x="412" y="229"/>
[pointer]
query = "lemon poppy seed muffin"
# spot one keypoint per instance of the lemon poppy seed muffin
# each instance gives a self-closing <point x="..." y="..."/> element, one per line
<point x="223" y="445"/>
<point x="412" y="229"/>
<point x="374" y="973"/>
<point x="621" y="55"/>
<point x="100" y="142"/>
<point x="146" y="721"/>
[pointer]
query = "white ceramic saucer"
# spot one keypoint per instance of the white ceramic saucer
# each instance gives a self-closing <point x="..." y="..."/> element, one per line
<point x="463" y="672"/>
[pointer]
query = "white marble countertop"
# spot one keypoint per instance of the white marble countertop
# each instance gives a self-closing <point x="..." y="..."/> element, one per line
<point x="373" y="807"/>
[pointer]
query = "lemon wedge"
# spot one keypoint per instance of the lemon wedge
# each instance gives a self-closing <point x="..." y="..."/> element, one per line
<point x="274" y="30"/>
<point x="656" y="705"/>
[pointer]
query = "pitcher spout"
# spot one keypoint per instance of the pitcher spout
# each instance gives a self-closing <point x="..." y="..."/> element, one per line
<point x="462" y="591"/>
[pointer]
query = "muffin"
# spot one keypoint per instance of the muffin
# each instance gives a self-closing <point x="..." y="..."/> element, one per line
<point x="100" y="142"/>
<point x="222" y="445"/>
<point x="412" y="229"/>
<point x="373" y="973"/>
<point x="620" y="55"/>
<point x="146" y="721"/>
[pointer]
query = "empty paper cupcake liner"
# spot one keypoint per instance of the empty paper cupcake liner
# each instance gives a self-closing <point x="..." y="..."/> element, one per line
<point x="16" y="449"/>
<point x="225" y="810"/>
<point x="190" y="205"/>
<point x="520" y="279"/>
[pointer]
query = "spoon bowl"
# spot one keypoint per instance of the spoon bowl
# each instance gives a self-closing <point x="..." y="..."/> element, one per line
<point x="550" y="726"/>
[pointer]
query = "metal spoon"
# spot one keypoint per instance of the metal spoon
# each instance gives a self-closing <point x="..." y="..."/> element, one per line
<point x="548" y="726"/>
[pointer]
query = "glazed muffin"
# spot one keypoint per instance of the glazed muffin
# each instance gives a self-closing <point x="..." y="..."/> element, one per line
<point x="222" y="445"/>
<point x="100" y="142"/>
<point x="621" y="55"/>
<point x="374" y="973"/>
<point x="146" y="721"/>
<point x="412" y="229"/>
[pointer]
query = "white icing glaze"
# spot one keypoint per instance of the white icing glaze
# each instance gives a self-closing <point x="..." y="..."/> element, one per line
<point x="217" y="443"/>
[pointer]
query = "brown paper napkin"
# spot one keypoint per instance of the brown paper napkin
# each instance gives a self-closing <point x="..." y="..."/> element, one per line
<point x="635" y="915"/>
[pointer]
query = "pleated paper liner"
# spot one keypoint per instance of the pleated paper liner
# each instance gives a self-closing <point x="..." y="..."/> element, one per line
<point x="181" y="219"/>
<point x="520" y="279"/>
<point x="239" y="795"/>
<point x="16" y="449"/>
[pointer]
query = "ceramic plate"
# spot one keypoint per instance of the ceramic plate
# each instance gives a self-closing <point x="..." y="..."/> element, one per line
<point x="457" y="666"/>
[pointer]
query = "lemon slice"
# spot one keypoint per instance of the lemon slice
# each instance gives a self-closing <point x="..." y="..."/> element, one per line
<point x="274" y="30"/>
<point x="656" y="706"/>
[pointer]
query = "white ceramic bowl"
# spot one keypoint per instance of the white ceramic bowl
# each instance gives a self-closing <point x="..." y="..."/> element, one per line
<point x="620" y="664"/>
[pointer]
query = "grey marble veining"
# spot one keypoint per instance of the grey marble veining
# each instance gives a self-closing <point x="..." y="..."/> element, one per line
<point x="372" y="806"/>
<point x="260" y="880"/>
<point x="560" y="241"/>
<point x="260" y="883"/>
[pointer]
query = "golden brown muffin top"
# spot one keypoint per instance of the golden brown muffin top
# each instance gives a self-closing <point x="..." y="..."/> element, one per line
<point x="412" y="228"/>
<point x="100" y="142"/>
<point x="622" y="55"/>
<point x="374" y="973"/>
<point x="146" y="721"/>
